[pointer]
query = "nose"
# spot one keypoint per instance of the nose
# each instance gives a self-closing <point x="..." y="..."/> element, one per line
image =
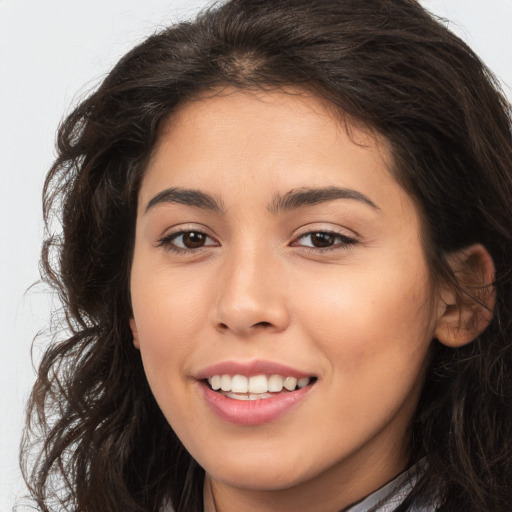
<point x="251" y="296"/>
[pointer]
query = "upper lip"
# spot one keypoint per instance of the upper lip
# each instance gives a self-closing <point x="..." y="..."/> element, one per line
<point x="249" y="368"/>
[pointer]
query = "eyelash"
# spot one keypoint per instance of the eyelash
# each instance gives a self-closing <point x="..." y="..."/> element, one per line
<point x="167" y="242"/>
<point x="343" y="241"/>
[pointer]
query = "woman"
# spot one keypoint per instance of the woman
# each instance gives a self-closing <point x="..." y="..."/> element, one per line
<point x="285" y="264"/>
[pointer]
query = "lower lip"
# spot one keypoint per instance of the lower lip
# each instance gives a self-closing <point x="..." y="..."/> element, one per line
<point x="252" y="412"/>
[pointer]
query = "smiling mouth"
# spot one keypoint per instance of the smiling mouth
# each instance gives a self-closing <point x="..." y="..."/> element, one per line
<point x="256" y="387"/>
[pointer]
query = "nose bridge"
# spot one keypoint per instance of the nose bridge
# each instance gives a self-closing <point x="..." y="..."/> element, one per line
<point x="250" y="293"/>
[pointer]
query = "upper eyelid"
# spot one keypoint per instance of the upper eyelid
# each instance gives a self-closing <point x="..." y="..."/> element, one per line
<point x="167" y="243"/>
<point x="322" y="228"/>
<point x="324" y="231"/>
<point x="186" y="228"/>
<point x="347" y="237"/>
<point x="343" y="236"/>
<point x="170" y="234"/>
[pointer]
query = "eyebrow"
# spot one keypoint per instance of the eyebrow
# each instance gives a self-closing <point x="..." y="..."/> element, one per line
<point x="290" y="201"/>
<point x="188" y="197"/>
<point x="310" y="196"/>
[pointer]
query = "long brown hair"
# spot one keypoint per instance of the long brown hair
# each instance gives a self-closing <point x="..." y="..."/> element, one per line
<point x="102" y="442"/>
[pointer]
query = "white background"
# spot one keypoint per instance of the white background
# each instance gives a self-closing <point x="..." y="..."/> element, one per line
<point x="51" y="53"/>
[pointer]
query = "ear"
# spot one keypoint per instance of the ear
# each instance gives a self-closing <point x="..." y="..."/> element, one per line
<point x="135" y="333"/>
<point x="463" y="316"/>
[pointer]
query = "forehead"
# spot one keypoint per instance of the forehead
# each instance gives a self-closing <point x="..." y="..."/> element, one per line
<point x="275" y="110"/>
<point x="244" y="130"/>
<point x="269" y="142"/>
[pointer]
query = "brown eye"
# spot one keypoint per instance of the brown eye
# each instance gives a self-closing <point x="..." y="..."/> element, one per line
<point x="191" y="239"/>
<point x="183" y="241"/>
<point x="324" y="240"/>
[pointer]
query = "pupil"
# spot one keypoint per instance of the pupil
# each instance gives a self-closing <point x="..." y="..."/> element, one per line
<point x="322" y="239"/>
<point x="193" y="240"/>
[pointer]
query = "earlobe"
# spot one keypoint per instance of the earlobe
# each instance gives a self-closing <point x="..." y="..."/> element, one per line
<point x="465" y="314"/>
<point x="135" y="333"/>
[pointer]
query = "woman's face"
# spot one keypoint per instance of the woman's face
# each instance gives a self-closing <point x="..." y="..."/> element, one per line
<point x="272" y="249"/>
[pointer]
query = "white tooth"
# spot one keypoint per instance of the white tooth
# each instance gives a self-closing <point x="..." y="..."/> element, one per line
<point x="215" y="382"/>
<point x="290" y="383"/>
<point x="275" y="383"/>
<point x="237" y="396"/>
<point x="301" y="383"/>
<point x="261" y="396"/>
<point x="225" y="382"/>
<point x="258" y="384"/>
<point x="239" y="384"/>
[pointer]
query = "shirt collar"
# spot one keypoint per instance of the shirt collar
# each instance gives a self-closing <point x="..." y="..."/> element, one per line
<point x="392" y="494"/>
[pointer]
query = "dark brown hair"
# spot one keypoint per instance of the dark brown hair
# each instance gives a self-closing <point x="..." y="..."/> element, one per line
<point x="104" y="445"/>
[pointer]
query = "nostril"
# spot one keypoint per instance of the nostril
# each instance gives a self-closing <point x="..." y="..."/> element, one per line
<point x="224" y="327"/>
<point x="263" y="324"/>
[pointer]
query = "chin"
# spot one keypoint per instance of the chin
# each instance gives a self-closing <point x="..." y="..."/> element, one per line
<point x="261" y="474"/>
<point x="259" y="479"/>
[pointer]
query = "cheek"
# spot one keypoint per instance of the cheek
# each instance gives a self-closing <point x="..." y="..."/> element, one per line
<point x="168" y="315"/>
<point x="375" y="332"/>
<point x="380" y="317"/>
<point x="167" y="320"/>
<point x="164" y="303"/>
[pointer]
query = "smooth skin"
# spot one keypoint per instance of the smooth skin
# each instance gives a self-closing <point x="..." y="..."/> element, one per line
<point x="335" y="287"/>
